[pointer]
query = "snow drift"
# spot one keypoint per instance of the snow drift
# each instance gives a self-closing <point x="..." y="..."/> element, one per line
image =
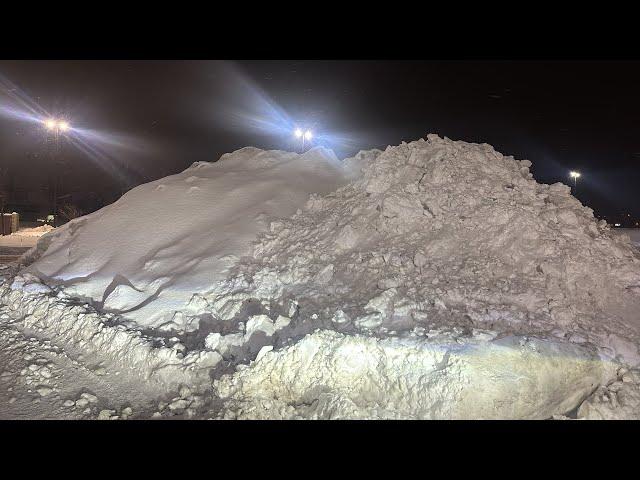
<point x="435" y="279"/>
<point x="149" y="255"/>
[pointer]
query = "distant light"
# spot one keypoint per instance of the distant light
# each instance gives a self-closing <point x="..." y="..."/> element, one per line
<point x="298" y="133"/>
<point x="308" y="135"/>
<point x="574" y="174"/>
<point x="616" y="225"/>
<point x="60" y="125"/>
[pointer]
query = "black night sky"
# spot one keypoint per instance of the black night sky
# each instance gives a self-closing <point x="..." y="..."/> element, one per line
<point x="153" y="118"/>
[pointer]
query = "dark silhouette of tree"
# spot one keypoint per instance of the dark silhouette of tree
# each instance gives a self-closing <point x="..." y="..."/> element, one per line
<point x="70" y="211"/>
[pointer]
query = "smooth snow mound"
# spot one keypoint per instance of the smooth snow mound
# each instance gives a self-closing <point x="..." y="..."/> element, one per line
<point x="149" y="255"/>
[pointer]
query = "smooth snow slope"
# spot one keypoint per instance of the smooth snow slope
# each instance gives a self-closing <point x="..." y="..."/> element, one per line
<point x="149" y="254"/>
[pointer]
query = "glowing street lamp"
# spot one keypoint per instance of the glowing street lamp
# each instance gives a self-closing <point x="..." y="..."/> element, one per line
<point x="54" y="125"/>
<point x="575" y="176"/>
<point x="304" y="135"/>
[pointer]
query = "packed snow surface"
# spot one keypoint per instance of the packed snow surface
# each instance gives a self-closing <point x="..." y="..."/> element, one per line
<point x="25" y="237"/>
<point x="34" y="231"/>
<point x="435" y="279"/>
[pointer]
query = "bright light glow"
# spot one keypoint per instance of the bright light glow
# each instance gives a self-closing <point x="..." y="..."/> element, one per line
<point x="574" y="174"/>
<point x="16" y="104"/>
<point x="298" y="133"/>
<point x="308" y="135"/>
<point x="60" y="125"/>
<point x="617" y="225"/>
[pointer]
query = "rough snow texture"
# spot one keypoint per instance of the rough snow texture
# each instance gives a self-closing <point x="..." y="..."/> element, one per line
<point x="619" y="399"/>
<point x="149" y="255"/>
<point x="439" y="234"/>
<point x="329" y="375"/>
<point x="441" y="282"/>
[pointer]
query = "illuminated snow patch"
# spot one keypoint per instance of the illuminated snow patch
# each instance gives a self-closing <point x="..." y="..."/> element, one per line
<point x="329" y="375"/>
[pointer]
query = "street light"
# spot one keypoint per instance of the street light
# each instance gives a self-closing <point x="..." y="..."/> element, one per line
<point x="305" y="135"/>
<point x="56" y="126"/>
<point x="575" y="176"/>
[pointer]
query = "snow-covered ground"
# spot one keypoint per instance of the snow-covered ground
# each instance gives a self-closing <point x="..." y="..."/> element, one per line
<point x="435" y="279"/>
<point x="25" y="237"/>
<point x="633" y="233"/>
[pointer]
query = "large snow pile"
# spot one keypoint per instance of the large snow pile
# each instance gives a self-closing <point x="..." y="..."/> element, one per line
<point x="435" y="236"/>
<point x="149" y="255"/>
<point x="436" y="279"/>
<point x="440" y="233"/>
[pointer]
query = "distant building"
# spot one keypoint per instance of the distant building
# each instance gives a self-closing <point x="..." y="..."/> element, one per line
<point x="9" y="223"/>
<point x="623" y="220"/>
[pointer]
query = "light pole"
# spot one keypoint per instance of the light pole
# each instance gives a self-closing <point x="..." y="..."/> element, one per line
<point x="56" y="126"/>
<point x="303" y="135"/>
<point x="575" y="176"/>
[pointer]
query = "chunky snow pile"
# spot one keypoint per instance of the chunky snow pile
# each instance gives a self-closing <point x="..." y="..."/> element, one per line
<point x="441" y="233"/>
<point x="149" y="255"/>
<point x="435" y="235"/>
<point x="436" y="279"/>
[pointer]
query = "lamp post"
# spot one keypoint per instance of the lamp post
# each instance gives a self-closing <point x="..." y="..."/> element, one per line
<point x="306" y="135"/>
<point x="575" y="175"/>
<point x="57" y="127"/>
